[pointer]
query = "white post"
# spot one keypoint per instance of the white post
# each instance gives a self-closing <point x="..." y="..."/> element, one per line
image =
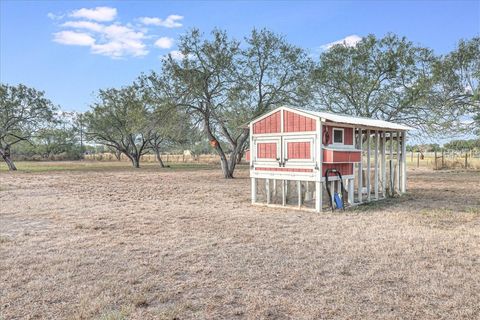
<point x="376" y="165"/>
<point x="399" y="163"/>
<point x="368" y="166"/>
<point x="404" y="162"/>
<point x="391" y="184"/>
<point x="299" y="191"/>
<point x="360" y="166"/>
<point x="267" y="190"/>
<point x="254" y="190"/>
<point x="274" y="187"/>
<point x="318" y="196"/>
<point x="350" y="191"/>
<point x="332" y="190"/>
<point x="383" y="164"/>
<point x="284" y="198"/>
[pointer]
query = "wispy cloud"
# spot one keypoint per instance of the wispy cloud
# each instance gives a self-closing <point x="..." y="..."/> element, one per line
<point x="172" y="21"/>
<point x="99" y="30"/>
<point x="73" y="38"/>
<point x="164" y="43"/>
<point x="97" y="14"/>
<point x="348" y="41"/>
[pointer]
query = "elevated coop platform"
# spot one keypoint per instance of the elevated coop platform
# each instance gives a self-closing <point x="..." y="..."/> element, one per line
<point x="291" y="149"/>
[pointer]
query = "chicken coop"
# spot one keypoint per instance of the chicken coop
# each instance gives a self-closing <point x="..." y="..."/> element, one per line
<point x="302" y="159"/>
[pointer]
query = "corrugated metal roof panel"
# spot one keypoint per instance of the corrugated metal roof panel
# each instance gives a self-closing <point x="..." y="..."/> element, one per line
<point x="356" y="120"/>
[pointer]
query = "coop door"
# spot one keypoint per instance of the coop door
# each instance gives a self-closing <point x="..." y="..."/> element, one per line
<point x="299" y="151"/>
<point x="267" y="151"/>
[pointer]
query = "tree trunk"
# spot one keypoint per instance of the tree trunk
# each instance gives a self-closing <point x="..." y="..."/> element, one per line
<point x="239" y="157"/>
<point x="5" y="153"/>
<point x="135" y="162"/>
<point x="159" y="158"/>
<point x="118" y="155"/>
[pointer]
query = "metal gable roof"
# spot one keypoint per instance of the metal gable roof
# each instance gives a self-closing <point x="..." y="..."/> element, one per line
<point x="355" y="120"/>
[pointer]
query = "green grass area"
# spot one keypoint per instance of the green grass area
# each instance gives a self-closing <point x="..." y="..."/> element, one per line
<point x="48" y="166"/>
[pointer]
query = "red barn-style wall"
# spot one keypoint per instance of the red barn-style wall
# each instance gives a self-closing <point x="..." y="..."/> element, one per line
<point x="344" y="168"/>
<point x="298" y="150"/>
<point x="270" y="124"/>
<point x="267" y="150"/>
<point x="347" y="135"/>
<point x="294" y="122"/>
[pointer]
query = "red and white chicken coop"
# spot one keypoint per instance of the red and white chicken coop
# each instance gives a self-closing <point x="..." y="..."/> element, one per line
<point x="292" y="151"/>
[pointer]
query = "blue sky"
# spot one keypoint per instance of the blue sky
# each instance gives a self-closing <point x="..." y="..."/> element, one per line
<point x="70" y="49"/>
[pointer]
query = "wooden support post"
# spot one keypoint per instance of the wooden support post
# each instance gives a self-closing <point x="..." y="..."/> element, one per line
<point x="399" y="164"/>
<point x="391" y="183"/>
<point x="318" y="196"/>
<point x="299" y="193"/>
<point x="404" y="162"/>
<point x="332" y="190"/>
<point x="384" y="167"/>
<point x="360" y="166"/>
<point x="284" y="196"/>
<point x="369" y="197"/>
<point x="351" y="188"/>
<point x="274" y="187"/>
<point x="254" y="190"/>
<point x="376" y="165"/>
<point x="267" y="190"/>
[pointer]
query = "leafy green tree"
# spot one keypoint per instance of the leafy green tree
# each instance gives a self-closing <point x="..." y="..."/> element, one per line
<point x="24" y="112"/>
<point x="120" y="121"/>
<point x="457" y="79"/>
<point x="222" y="86"/>
<point x="388" y="78"/>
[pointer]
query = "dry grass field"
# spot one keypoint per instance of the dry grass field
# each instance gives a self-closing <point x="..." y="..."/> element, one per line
<point x="109" y="242"/>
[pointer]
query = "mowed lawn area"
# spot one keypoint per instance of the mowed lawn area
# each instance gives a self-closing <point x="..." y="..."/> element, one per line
<point x="109" y="242"/>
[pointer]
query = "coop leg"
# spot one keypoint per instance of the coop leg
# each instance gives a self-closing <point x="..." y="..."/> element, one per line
<point x="284" y="196"/>
<point x="299" y="191"/>
<point x="350" y="191"/>
<point x="267" y="190"/>
<point x="254" y="190"/>
<point x="318" y="196"/>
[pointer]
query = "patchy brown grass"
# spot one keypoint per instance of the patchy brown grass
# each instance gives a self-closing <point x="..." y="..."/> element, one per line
<point x="158" y="244"/>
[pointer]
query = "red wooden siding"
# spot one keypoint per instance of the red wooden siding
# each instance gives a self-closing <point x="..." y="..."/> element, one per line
<point x="247" y="155"/>
<point x="284" y="169"/>
<point x="293" y="122"/>
<point x="270" y="124"/>
<point x="298" y="150"/>
<point x="341" y="156"/>
<point x="267" y="150"/>
<point x="347" y="135"/>
<point x="344" y="168"/>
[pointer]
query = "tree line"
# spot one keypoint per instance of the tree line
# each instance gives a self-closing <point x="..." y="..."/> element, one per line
<point x="219" y="84"/>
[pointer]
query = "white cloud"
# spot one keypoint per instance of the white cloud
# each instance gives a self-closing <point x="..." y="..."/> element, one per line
<point x="113" y="39"/>
<point x="164" y="43"/>
<point x="73" y="38"/>
<point x="54" y="16"/>
<point x="172" y="21"/>
<point x="348" y="41"/>
<point x="97" y="14"/>
<point x="88" y="25"/>
<point x="121" y="41"/>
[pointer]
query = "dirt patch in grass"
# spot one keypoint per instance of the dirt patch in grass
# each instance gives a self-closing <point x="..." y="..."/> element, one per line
<point x="160" y="244"/>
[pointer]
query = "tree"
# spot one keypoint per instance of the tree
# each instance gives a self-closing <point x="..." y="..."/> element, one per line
<point x="388" y="78"/>
<point x="23" y="112"/>
<point x="223" y="87"/>
<point x="456" y="86"/>
<point x="169" y="127"/>
<point x="120" y="121"/>
<point x="200" y="84"/>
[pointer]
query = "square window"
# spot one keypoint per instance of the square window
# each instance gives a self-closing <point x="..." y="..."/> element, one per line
<point x="338" y="136"/>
